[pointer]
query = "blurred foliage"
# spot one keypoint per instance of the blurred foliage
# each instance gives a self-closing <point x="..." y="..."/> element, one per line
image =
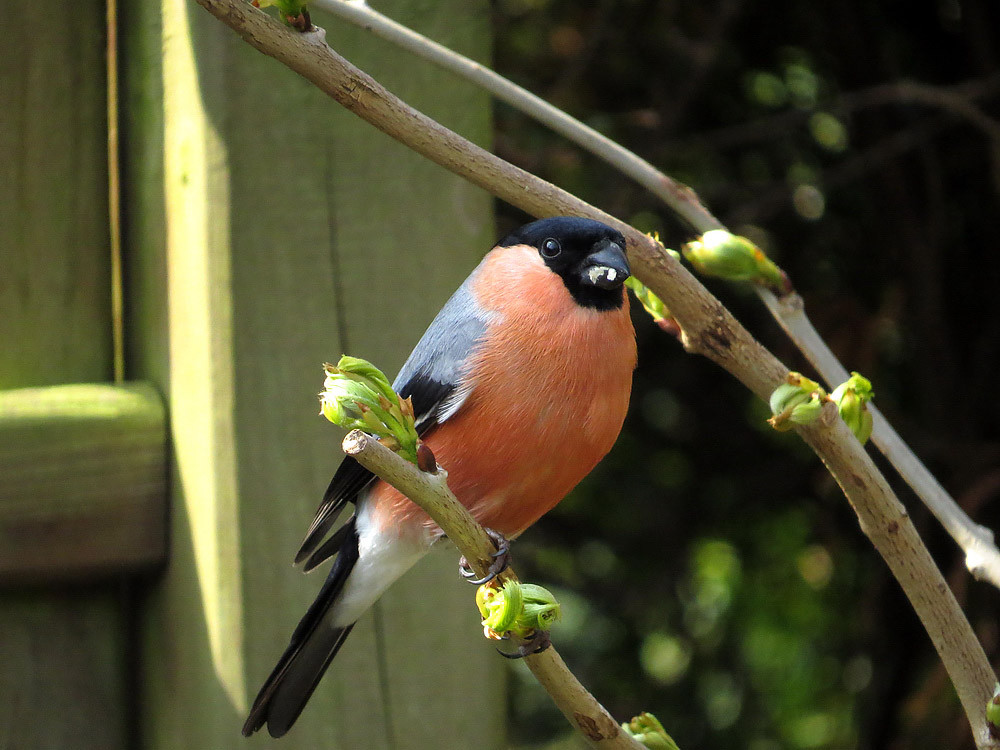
<point x="709" y="570"/>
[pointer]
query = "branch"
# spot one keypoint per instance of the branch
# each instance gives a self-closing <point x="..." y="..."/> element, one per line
<point x="981" y="555"/>
<point x="431" y="493"/>
<point x="952" y="100"/>
<point x="772" y="126"/>
<point x="976" y="541"/>
<point x="679" y="197"/>
<point x="708" y="328"/>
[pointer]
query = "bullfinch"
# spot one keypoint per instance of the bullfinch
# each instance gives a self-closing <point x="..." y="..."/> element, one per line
<point x="519" y="386"/>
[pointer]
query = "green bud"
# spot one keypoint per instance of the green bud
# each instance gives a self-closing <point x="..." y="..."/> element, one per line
<point x="735" y="258"/>
<point x="807" y="412"/>
<point x="364" y="371"/>
<point x="344" y="401"/>
<point x="993" y="713"/>
<point x="541" y="610"/>
<point x="357" y="395"/>
<point x="797" y="401"/>
<point x="376" y="422"/>
<point x="500" y="607"/>
<point x="293" y="12"/>
<point x="649" y="301"/>
<point x="787" y="395"/>
<point x="648" y="730"/>
<point x="851" y="398"/>
<point x="520" y="609"/>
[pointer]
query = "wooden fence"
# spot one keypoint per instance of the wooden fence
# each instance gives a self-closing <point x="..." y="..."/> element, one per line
<point x="146" y="527"/>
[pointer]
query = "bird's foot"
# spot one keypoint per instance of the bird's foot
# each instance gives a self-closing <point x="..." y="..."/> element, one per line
<point x="501" y="559"/>
<point x="535" y="644"/>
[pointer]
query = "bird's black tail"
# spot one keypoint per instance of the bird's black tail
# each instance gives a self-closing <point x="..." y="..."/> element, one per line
<point x="314" y="644"/>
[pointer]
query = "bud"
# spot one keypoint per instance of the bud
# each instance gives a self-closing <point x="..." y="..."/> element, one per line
<point x="648" y="730"/>
<point x="541" y="610"/>
<point x="344" y="402"/>
<point x="364" y="371"/>
<point x="357" y="395"/>
<point x="851" y="398"/>
<point x="735" y="258"/>
<point x="500" y="607"/>
<point x="649" y="301"/>
<point x="520" y="609"/>
<point x="797" y="401"/>
<point x="293" y="12"/>
<point x="993" y="713"/>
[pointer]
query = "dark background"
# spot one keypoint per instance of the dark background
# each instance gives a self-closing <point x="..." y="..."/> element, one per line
<point x="711" y="571"/>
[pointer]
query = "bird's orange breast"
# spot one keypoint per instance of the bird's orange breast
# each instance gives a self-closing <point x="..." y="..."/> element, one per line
<point x="550" y="389"/>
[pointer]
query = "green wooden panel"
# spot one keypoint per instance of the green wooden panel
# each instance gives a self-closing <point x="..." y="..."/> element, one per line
<point x="84" y="481"/>
<point x="270" y="232"/>
<point x="54" y="259"/>
<point x="62" y="683"/>
<point x="63" y="650"/>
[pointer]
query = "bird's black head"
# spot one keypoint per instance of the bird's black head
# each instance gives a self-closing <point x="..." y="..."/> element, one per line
<point x="587" y="255"/>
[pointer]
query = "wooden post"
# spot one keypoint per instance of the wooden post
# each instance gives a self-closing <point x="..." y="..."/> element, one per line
<point x="268" y="231"/>
<point x="54" y="282"/>
<point x="63" y="650"/>
<point x="84" y="473"/>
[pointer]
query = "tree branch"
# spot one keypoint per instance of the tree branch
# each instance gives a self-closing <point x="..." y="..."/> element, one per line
<point x="708" y="327"/>
<point x="982" y="558"/>
<point x="679" y="197"/>
<point x="976" y="541"/>
<point x="431" y="493"/>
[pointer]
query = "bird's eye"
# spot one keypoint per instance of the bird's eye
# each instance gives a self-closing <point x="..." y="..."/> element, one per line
<point x="551" y="248"/>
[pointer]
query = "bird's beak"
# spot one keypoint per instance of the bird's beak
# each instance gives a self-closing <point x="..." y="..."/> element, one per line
<point x="606" y="267"/>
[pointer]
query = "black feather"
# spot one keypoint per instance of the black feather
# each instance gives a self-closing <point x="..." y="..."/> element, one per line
<point x="349" y="479"/>
<point x="309" y="653"/>
<point x="329" y="548"/>
<point x="427" y="396"/>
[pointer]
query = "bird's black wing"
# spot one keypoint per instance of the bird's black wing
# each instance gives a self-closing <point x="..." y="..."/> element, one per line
<point x="434" y="378"/>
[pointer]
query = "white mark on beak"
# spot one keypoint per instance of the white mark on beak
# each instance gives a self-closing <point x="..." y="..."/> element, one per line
<point x="596" y="273"/>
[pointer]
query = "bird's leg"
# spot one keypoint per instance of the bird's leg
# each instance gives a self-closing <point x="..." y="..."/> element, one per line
<point x="538" y="642"/>
<point x="501" y="559"/>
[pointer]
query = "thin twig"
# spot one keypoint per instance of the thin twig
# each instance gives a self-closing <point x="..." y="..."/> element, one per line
<point x="679" y="197"/>
<point x="982" y="555"/>
<point x="431" y="492"/>
<point x="709" y="329"/>
<point x="953" y="100"/>
<point x="775" y="125"/>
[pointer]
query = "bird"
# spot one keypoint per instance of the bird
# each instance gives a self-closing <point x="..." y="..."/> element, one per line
<point x="519" y="386"/>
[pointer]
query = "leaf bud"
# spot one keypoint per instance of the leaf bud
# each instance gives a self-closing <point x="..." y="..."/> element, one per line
<point x="851" y="398"/>
<point x="648" y="730"/>
<point x="729" y="256"/>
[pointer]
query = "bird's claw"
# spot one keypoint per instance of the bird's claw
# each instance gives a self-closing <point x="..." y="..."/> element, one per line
<point x="501" y="559"/>
<point x="537" y="643"/>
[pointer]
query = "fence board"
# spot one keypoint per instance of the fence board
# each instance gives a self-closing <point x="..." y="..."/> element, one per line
<point x="63" y="650"/>
<point x="273" y="232"/>
<point x="54" y="280"/>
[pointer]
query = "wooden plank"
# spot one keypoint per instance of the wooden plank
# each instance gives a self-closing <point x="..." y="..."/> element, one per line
<point x="289" y="232"/>
<point x="62" y="684"/>
<point x="64" y="650"/>
<point x="84" y="482"/>
<point x="54" y="282"/>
